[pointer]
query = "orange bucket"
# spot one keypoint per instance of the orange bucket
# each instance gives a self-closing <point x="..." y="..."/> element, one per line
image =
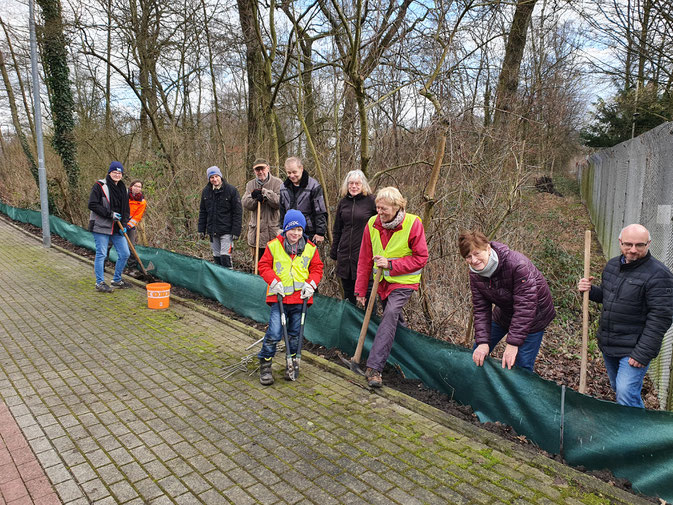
<point x="158" y="295"/>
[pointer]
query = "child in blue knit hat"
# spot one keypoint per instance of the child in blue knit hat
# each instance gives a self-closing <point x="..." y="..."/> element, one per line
<point x="292" y="268"/>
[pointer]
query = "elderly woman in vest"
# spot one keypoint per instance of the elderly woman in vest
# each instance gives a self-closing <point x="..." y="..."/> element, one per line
<point x="510" y="297"/>
<point x="393" y="241"/>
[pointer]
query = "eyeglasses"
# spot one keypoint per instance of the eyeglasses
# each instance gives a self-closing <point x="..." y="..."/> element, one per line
<point x="629" y="245"/>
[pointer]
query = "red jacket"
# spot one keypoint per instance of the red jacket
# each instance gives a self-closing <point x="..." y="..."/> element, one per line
<point x="400" y="266"/>
<point x="265" y="266"/>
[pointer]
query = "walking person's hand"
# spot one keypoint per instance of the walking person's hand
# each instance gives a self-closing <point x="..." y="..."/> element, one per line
<point x="317" y="239"/>
<point x="635" y="363"/>
<point x="479" y="354"/>
<point x="584" y="284"/>
<point x="361" y="300"/>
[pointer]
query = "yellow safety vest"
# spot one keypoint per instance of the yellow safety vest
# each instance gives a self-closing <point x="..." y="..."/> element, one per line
<point x="292" y="272"/>
<point x="398" y="247"/>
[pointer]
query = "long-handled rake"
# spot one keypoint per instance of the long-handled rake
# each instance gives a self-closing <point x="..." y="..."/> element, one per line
<point x="242" y="364"/>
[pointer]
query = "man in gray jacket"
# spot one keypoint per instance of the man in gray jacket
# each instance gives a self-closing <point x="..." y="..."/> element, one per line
<point x="637" y="297"/>
<point x="263" y="193"/>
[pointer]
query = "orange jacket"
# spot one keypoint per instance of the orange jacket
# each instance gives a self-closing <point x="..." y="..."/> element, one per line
<point x="137" y="211"/>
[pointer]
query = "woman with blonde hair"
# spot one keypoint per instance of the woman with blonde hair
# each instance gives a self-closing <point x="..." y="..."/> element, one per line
<point x="356" y="206"/>
<point x="510" y="297"/>
<point x="393" y="241"/>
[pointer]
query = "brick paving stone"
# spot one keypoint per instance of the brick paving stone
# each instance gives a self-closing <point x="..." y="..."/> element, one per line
<point x="132" y="409"/>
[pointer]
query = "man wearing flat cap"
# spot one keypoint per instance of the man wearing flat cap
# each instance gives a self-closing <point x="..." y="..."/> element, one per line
<point x="263" y="193"/>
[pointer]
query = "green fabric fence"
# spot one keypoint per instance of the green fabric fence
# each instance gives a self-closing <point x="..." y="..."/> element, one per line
<point x="634" y="444"/>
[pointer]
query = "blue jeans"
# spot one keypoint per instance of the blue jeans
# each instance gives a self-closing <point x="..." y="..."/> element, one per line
<point x="275" y="332"/>
<point x="626" y="380"/>
<point x="119" y="241"/>
<point x="525" y="358"/>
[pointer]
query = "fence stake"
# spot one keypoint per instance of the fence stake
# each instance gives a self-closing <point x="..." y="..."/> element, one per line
<point x="585" y="313"/>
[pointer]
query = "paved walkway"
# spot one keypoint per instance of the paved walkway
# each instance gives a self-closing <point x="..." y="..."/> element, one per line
<point x="122" y="404"/>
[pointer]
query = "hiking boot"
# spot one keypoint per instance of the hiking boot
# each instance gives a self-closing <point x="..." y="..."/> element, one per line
<point x="103" y="288"/>
<point x="373" y="378"/>
<point x="120" y="284"/>
<point x="265" y="375"/>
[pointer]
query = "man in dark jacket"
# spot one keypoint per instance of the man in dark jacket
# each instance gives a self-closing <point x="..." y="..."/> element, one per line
<point x="220" y="216"/>
<point x="304" y="193"/>
<point x="637" y="297"/>
<point x="108" y="203"/>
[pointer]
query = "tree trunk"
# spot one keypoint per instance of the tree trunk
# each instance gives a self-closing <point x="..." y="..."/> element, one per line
<point x="58" y="77"/>
<point x="17" y="124"/>
<point x="247" y="13"/>
<point x="508" y="81"/>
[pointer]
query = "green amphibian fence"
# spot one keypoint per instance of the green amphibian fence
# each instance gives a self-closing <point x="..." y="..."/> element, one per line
<point x="634" y="444"/>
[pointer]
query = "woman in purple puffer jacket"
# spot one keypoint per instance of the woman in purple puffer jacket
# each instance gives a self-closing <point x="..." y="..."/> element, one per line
<point x="523" y="306"/>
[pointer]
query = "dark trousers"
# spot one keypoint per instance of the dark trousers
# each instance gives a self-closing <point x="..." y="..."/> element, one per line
<point x="385" y="335"/>
<point x="348" y="284"/>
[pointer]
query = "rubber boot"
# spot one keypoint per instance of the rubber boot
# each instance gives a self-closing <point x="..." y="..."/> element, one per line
<point x="265" y="375"/>
<point x="225" y="261"/>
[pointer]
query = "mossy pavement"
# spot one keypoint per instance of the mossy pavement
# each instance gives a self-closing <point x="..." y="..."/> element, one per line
<point x="123" y="404"/>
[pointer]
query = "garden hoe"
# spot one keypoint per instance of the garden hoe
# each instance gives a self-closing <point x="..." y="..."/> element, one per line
<point x="289" y="367"/>
<point x="354" y="362"/>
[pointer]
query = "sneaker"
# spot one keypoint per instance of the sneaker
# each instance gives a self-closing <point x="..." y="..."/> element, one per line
<point x="373" y="378"/>
<point x="120" y="284"/>
<point x="103" y="288"/>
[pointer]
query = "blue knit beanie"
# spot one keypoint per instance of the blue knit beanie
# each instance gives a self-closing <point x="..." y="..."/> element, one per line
<point x="294" y="218"/>
<point x="213" y="171"/>
<point x="116" y="166"/>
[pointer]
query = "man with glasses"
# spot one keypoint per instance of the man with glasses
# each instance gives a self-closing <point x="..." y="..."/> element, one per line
<point x="637" y="296"/>
<point x="263" y="193"/>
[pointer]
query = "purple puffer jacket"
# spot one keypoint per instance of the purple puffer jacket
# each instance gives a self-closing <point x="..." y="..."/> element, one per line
<point x="520" y="294"/>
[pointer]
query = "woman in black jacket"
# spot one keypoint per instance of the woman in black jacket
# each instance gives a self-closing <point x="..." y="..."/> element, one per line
<point x="355" y="208"/>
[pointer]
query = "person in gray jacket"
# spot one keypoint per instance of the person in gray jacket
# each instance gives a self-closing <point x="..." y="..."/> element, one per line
<point x="109" y="203"/>
<point x="637" y="296"/>
<point x="304" y="193"/>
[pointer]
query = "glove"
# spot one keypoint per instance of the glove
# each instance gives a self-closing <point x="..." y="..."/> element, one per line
<point x="277" y="288"/>
<point x="307" y="291"/>
<point x="116" y="216"/>
<point x="257" y="195"/>
<point x="122" y="231"/>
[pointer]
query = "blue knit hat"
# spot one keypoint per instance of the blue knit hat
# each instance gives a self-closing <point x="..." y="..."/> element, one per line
<point x="213" y="171"/>
<point x="294" y="218"/>
<point x="116" y="166"/>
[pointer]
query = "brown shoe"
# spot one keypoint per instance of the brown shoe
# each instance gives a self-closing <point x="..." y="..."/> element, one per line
<point x="374" y="378"/>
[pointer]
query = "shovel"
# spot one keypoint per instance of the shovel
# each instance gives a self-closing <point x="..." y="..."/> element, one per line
<point x="289" y="367"/>
<point x="133" y="250"/>
<point x="354" y="362"/>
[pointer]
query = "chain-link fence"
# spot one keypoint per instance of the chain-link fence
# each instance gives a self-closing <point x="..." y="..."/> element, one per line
<point x="633" y="183"/>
